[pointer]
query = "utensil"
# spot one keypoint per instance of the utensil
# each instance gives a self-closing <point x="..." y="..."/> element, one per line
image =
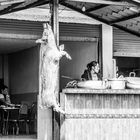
<point x="67" y="77"/>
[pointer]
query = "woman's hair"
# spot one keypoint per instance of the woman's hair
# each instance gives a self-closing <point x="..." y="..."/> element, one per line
<point x="92" y="63"/>
<point x="4" y="87"/>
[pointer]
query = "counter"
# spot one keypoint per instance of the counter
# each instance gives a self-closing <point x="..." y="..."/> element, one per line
<point x="101" y="91"/>
<point x="90" y="113"/>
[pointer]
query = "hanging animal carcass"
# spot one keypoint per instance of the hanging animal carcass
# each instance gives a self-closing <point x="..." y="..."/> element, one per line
<point x="48" y="70"/>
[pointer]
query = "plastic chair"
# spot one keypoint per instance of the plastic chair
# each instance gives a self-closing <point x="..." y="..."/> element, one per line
<point x="3" y="121"/>
<point x="23" y="117"/>
<point x="32" y="116"/>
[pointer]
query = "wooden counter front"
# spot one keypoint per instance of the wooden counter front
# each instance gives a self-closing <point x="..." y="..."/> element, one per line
<point x="100" y="114"/>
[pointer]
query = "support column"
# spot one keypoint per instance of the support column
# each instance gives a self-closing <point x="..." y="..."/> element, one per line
<point x="55" y="20"/>
<point x="107" y="51"/>
<point x="48" y="126"/>
<point x="55" y="28"/>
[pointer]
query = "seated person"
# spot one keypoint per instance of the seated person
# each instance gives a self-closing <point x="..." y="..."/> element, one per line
<point x="4" y="96"/>
<point x="92" y="72"/>
<point x="2" y="99"/>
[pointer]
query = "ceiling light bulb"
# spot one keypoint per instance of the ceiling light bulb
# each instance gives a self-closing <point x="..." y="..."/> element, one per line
<point x="83" y="8"/>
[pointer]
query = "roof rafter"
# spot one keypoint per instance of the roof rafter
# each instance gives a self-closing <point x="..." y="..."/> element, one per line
<point x="99" y="19"/>
<point x="31" y="5"/>
<point x="8" y="2"/>
<point x="125" y="18"/>
<point x="96" y="8"/>
<point x="82" y="12"/>
<point x="135" y="2"/>
<point x="9" y="8"/>
<point x="109" y="2"/>
<point x="127" y="30"/>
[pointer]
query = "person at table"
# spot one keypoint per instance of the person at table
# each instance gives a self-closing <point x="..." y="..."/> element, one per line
<point x="4" y="96"/>
<point x="92" y="72"/>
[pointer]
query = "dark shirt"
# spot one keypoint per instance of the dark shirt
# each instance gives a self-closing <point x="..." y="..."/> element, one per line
<point x="2" y="102"/>
<point x="87" y="75"/>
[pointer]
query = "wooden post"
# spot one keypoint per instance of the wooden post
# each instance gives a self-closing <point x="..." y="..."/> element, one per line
<point x="55" y="28"/>
<point x="100" y="50"/>
<point x="55" y="20"/>
<point x="107" y="51"/>
<point x="50" y="55"/>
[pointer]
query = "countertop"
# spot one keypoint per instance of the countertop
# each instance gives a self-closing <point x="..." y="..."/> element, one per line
<point x="100" y="91"/>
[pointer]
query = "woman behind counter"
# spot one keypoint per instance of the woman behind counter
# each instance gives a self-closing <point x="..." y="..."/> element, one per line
<point x="92" y="72"/>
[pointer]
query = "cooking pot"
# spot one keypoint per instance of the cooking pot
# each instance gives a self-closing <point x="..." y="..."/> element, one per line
<point x="116" y="83"/>
<point x="133" y="82"/>
<point x="97" y="84"/>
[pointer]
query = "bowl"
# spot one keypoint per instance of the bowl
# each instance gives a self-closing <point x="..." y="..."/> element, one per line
<point x="133" y="80"/>
<point x="117" y="83"/>
<point x="133" y="86"/>
<point x="90" y="84"/>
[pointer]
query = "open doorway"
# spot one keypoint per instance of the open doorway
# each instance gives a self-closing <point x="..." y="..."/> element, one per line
<point x="20" y="75"/>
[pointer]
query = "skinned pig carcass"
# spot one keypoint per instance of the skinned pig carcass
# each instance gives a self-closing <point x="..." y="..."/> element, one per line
<point x="48" y="70"/>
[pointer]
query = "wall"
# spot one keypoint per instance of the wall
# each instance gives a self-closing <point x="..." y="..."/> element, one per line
<point x="81" y="53"/>
<point x="107" y="51"/>
<point x="79" y="57"/>
<point x="125" y="44"/>
<point x="1" y="66"/>
<point x="23" y="74"/>
<point x="4" y="74"/>
<point x="5" y="70"/>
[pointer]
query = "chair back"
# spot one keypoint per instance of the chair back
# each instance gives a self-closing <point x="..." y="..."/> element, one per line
<point x="23" y="112"/>
<point x="24" y="109"/>
<point x="33" y="111"/>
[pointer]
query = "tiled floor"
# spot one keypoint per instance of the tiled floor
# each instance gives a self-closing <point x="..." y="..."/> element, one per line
<point x="19" y="137"/>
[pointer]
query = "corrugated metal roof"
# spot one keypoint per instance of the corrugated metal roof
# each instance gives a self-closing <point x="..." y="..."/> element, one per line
<point x="123" y="14"/>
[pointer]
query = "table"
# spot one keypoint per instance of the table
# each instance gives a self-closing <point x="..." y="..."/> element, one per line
<point x="5" y="114"/>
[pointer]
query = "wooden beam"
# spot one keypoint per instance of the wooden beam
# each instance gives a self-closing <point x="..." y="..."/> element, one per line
<point x="135" y="2"/>
<point x="96" y="8"/>
<point x="126" y="54"/>
<point x="108" y="2"/>
<point x="100" y="19"/>
<point x="6" y="0"/>
<point x="11" y="2"/>
<point x="31" y="5"/>
<point x="125" y="18"/>
<point x="80" y="39"/>
<point x="55" y="27"/>
<point x="18" y="36"/>
<point x="126" y="30"/>
<point x="55" y="22"/>
<point x="9" y="8"/>
<point x="84" y="13"/>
